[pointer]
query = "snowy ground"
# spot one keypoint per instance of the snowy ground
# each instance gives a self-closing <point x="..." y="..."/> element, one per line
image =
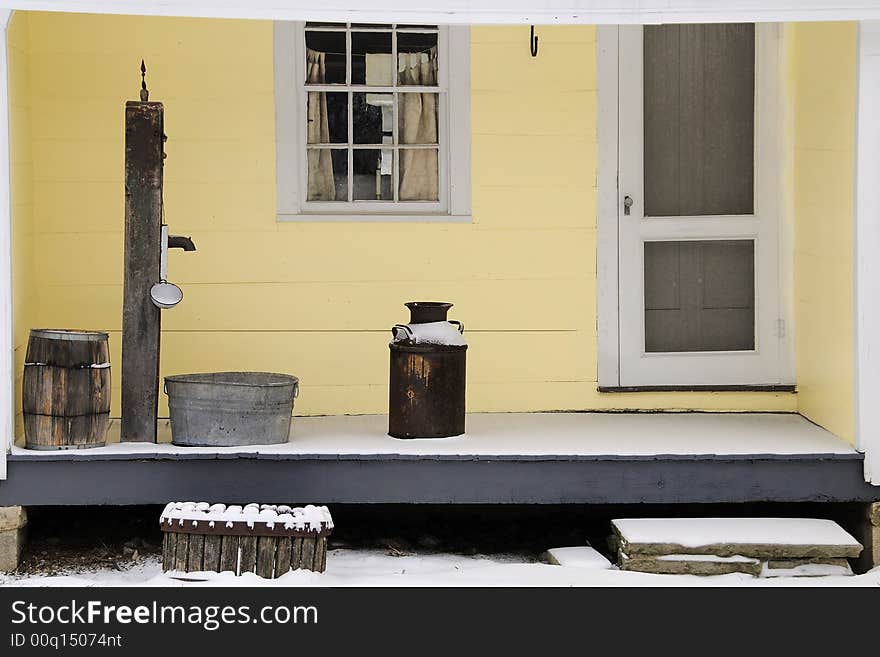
<point x="376" y="568"/>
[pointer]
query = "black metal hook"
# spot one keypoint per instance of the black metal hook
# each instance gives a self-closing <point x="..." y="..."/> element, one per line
<point x="533" y="42"/>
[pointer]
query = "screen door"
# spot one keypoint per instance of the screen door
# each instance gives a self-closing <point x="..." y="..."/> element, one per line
<point x="698" y="270"/>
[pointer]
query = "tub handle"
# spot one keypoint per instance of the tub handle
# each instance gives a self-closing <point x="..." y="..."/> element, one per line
<point x="296" y="390"/>
<point x="460" y="326"/>
<point x="402" y="327"/>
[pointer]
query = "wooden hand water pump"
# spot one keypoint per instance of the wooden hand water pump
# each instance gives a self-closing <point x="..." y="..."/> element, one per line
<point x="145" y="290"/>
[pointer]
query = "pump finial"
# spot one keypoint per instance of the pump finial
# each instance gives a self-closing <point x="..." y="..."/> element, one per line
<point x="145" y="94"/>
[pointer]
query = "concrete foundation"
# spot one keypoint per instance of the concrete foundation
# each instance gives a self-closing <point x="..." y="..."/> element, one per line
<point x="13" y="521"/>
<point x="864" y="524"/>
<point x="872" y="535"/>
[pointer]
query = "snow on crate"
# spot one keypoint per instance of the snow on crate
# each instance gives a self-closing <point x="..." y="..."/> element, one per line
<point x="266" y="539"/>
<point x="280" y="518"/>
<point x="764" y="547"/>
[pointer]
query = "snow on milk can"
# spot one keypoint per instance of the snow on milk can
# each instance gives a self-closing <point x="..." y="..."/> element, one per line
<point x="427" y="388"/>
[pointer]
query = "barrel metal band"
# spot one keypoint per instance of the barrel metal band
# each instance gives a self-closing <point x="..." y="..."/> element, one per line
<point x="93" y="366"/>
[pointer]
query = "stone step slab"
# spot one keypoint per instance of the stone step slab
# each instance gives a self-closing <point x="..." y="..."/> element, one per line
<point x="690" y="564"/>
<point x="709" y="564"/>
<point x="805" y="567"/>
<point x="762" y="538"/>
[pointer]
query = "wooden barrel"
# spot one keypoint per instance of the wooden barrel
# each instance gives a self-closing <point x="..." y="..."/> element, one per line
<point x="66" y="389"/>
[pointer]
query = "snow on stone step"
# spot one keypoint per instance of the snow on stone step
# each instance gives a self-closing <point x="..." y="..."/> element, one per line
<point x="581" y="556"/>
<point x="690" y="564"/>
<point x="769" y="538"/>
<point x="805" y="568"/>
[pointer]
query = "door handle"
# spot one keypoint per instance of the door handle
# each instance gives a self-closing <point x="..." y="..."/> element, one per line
<point x="627" y="204"/>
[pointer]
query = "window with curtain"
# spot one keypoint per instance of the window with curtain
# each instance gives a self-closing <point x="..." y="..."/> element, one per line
<point x="372" y="122"/>
<point x="373" y="129"/>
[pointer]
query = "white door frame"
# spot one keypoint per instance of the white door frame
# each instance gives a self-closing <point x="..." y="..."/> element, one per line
<point x="866" y="245"/>
<point x="607" y="309"/>
<point x="614" y="334"/>
<point x="7" y="378"/>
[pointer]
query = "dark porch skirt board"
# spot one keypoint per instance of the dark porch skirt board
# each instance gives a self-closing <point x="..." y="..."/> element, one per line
<point x="475" y="480"/>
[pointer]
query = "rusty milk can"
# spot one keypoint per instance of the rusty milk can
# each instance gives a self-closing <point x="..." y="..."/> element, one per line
<point x="427" y="389"/>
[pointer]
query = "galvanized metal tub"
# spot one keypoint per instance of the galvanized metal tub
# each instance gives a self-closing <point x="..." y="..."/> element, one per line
<point x="223" y="409"/>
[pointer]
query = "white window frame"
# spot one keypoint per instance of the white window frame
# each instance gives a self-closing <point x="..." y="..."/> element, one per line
<point x="772" y="361"/>
<point x="454" y="147"/>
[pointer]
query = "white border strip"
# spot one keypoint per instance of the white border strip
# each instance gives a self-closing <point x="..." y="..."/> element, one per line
<point x="7" y="386"/>
<point x="452" y="12"/>
<point x="866" y="245"/>
<point x="607" y="251"/>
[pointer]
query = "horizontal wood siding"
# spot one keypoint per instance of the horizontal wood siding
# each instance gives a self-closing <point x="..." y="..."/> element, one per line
<point x="317" y="300"/>
<point x="823" y="75"/>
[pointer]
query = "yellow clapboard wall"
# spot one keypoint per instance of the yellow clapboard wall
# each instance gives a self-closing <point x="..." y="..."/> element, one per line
<point x="822" y="59"/>
<point x="318" y="300"/>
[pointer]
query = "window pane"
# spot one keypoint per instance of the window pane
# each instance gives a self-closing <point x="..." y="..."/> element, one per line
<point x="327" y="174"/>
<point x="371" y="60"/>
<point x="376" y="169"/>
<point x="373" y="174"/>
<point x="373" y="118"/>
<point x="417" y="118"/>
<point x="700" y="296"/>
<point x="417" y="59"/>
<point x="419" y="175"/>
<point x="325" y="57"/>
<point x="699" y="91"/>
<point x="327" y="117"/>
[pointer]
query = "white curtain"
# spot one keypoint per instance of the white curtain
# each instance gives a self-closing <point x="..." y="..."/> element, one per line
<point x="419" y="179"/>
<point x="321" y="186"/>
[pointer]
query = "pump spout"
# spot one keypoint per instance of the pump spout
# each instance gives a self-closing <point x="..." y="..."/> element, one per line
<point x="181" y="242"/>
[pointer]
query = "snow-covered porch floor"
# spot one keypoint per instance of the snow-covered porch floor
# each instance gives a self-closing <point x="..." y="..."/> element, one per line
<point x="506" y="458"/>
<point x="506" y="435"/>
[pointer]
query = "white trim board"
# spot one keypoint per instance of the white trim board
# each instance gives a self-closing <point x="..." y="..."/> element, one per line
<point x="866" y="244"/>
<point x="7" y="387"/>
<point x="459" y="12"/>
<point x="607" y="250"/>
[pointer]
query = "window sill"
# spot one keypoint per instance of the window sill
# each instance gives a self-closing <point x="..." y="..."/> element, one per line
<point x="377" y="218"/>
<point x="712" y="388"/>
